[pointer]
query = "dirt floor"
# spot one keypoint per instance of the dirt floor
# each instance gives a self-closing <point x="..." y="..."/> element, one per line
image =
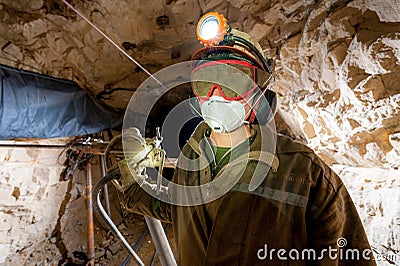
<point x="109" y="249"/>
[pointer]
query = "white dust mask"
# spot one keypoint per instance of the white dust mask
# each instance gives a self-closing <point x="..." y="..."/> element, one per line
<point x="223" y="115"/>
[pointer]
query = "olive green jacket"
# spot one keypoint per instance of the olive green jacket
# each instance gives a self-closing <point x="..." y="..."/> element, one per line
<point x="301" y="207"/>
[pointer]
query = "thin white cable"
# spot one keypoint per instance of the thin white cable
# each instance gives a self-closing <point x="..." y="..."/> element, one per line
<point x="112" y="42"/>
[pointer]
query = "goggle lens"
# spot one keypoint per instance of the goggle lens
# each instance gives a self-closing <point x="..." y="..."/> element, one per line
<point x="203" y="89"/>
<point x="234" y="78"/>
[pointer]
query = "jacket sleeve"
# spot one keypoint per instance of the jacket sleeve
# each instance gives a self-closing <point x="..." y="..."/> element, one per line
<point x="334" y="224"/>
<point x="137" y="200"/>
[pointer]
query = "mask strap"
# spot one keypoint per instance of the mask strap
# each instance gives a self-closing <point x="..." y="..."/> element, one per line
<point x="252" y="105"/>
<point x="193" y="107"/>
<point x="255" y="104"/>
<point x="261" y="94"/>
<point x="246" y="102"/>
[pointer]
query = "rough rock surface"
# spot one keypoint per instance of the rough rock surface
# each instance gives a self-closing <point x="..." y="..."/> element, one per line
<point x="337" y="62"/>
<point x="31" y="196"/>
<point x="341" y="78"/>
<point x="375" y="192"/>
<point x="337" y="69"/>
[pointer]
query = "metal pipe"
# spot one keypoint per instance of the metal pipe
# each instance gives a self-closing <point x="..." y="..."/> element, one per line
<point x="38" y="146"/>
<point x="89" y="207"/>
<point x="136" y="246"/>
<point x="154" y="259"/>
<point x="103" y="174"/>
<point x="116" y="231"/>
<point x="160" y="241"/>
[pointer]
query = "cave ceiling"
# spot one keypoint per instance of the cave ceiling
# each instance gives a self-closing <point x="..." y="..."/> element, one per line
<point x="337" y="63"/>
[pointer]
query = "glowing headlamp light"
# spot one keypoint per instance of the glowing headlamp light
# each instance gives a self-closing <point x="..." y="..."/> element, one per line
<point x="212" y="29"/>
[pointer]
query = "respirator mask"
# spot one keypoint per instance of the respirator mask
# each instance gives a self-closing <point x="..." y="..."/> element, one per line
<point x="235" y="84"/>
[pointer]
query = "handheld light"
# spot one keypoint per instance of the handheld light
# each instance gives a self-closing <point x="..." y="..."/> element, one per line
<point x="211" y="29"/>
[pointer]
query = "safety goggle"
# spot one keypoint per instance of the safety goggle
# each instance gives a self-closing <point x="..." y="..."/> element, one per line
<point x="234" y="79"/>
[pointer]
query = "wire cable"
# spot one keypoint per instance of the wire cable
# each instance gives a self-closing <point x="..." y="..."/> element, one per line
<point x="112" y="42"/>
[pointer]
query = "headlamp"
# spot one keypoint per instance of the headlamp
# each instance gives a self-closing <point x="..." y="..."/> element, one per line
<point x="212" y="29"/>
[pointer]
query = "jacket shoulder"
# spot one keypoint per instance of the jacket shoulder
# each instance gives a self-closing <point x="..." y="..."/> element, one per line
<point x="301" y="159"/>
<point x="285" y="144"/>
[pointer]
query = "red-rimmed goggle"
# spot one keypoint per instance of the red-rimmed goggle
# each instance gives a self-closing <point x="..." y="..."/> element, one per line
<point x="234" y="79"/>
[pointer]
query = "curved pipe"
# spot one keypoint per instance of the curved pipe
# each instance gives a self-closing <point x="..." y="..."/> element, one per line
<point x="104" y="219"/>
<point x="160" y="241"/>
<point x="156" y="230"/>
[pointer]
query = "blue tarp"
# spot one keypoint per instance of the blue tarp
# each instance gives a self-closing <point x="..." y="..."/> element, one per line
<point x="38" y="106"/>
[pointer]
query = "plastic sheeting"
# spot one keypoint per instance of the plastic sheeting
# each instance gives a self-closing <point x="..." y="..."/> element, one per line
<point x="37" y="106"/>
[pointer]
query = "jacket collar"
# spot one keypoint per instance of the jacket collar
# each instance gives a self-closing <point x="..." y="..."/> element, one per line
<point x="203" y="130"/>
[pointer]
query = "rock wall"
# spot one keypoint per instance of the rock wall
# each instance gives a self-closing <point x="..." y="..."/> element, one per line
<point x="341" y="79"/>
<point x="337" y="62"/>
<point x="375" y="192"/>
<point x="31" y="198"/>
